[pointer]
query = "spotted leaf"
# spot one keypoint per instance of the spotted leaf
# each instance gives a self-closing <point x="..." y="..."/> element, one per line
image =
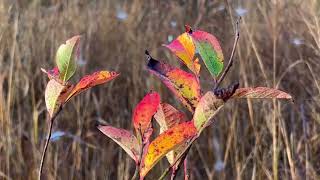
<point x="144" y="111"/>
<point x="183" y="47"/>
<point x="66" y="58"/>
<point x="167" y="141"/>
<point x="183" y="84"/>
<point x="54" y="94"/>
<point x="123" y="138"/>
<point x="207" y="108"/>
<point x="167" y="117"/>
<point x="89" y="81"/>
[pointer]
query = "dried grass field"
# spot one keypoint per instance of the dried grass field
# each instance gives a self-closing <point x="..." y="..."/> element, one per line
<point x="279" y="46"/>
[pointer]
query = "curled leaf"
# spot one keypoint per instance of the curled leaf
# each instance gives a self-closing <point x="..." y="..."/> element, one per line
<point x="144" y="111"/>
<point x="261" y="92"/>
<point x="123" y="138"/>
<point x="184" y="85"/>
<point x="167" y="141"/>
<point x="184" y="49"/>
<point x="167" y="117"/>
<point x="207" y="108"/>
<point x="209" y="49"/>
<point x="66" y="58"/>
<point x="91" y="80"/>
<point x="52" y="74"/>
<point x="54" y="96"/>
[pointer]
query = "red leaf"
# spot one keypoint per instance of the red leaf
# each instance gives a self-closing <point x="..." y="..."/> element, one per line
<point x="125" y="139"/>
<point x="261" y="92"/>
<point x="184" y="85"/>
<point x="144" y="111"/>
<point x="89" y="81"/>
<point x="183" y="47"/>
<point x="167" y="141"/>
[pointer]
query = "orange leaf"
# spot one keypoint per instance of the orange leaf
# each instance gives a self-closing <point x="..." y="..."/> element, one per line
<point x="144" y="111"/>
<point x="183" y="47"/>
<point x="124" y="138"/>
<point x="89" y="81"/>
<point x="184" y="85"/>
<point x="261" y="92"/>
<point x="167" y="117"/>
<point x="167" y="141"/>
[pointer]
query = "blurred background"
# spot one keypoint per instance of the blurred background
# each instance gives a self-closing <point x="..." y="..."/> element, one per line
<point x="279" y="47"/>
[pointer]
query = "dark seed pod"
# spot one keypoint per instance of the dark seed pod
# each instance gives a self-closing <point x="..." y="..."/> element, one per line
<point x="226" y="93"/>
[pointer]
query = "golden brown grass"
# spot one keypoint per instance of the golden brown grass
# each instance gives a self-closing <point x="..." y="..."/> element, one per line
<point x="254" y="139"/>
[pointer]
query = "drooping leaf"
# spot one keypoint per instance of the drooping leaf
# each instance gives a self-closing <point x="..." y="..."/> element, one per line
<point x="123" y="138"/>
<point x="66" y="58"/>
<point x="167" y="117"/>
<point x="166" y="142"/>
<point x="261" y="92"/>
<point x="183" y="47"/>
<point x="184" y="85"/>
<point x="207" y="108"/>
<point x="144" y="111"/>
<point x="209" y="49"/>
<point x="54" y="94"/>
<point x="88" y="81"/>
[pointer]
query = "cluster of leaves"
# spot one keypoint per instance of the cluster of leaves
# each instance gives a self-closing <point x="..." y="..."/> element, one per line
<point x="177" y="132"/>
<point x="59" y="90"/>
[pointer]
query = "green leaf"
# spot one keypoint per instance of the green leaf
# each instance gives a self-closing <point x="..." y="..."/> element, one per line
<point x="209" y="49"/>
<point x="66" y="58"/>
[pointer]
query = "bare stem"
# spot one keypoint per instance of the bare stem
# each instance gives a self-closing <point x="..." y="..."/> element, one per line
<point x="47" y="142"/>
<point x="186" y="169"/>
<point x="226" y="70"/>
<point x="136" y="172"/>
<point x="182" y="155"/>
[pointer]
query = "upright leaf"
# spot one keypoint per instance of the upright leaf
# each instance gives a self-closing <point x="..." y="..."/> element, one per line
<point x="184" y="49"/>
<point x="66" y="58"/>
<point x="166" y="142"/>
<point x="144" y="111"/>
<point x="209" y="49"/>
<point x="207" y="108"/>
<point x="261" y="92"/>
<point x="91" y="80"/>
<point x="53" y="96"/>
<point x="167" y="117"/>
<point x="125" y="139"/>
<point x="184" y="85"/>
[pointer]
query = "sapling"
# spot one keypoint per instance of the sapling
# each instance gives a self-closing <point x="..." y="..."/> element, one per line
<point x="177" y="132"/>
<point x="59" y="90"/>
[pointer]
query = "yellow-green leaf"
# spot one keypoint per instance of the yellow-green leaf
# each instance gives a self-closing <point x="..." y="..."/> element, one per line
<point x="207" y="108"/>
<point x="66" y="58"/>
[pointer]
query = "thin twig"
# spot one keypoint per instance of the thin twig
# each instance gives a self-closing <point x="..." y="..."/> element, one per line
<point x="136" y="172"/>
<point x="180" y="156"/>
<point x="186" y="169"/>
<point x="47" y="142"/>
<point x="226" y="70"/>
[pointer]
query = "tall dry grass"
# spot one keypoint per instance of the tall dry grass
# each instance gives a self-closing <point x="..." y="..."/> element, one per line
<point x="279" y="47"/>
